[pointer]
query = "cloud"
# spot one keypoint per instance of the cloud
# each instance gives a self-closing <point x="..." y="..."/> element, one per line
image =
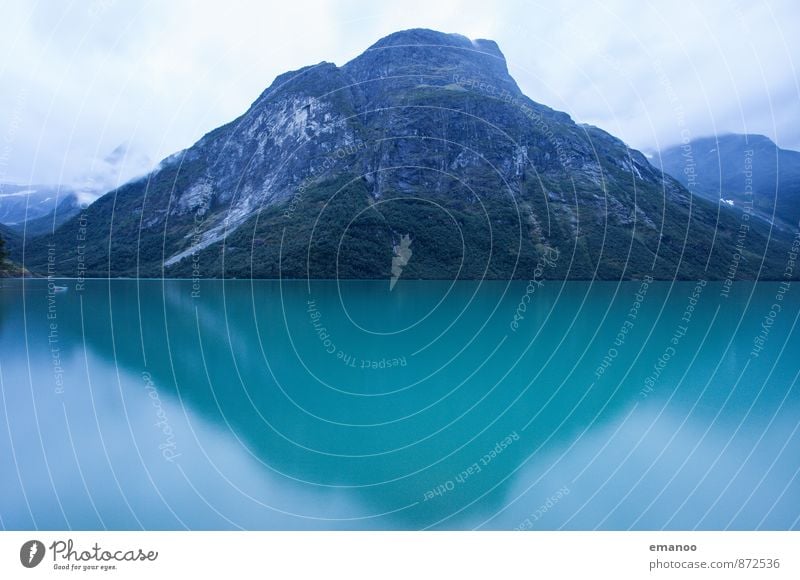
<point x="81" y="78"/>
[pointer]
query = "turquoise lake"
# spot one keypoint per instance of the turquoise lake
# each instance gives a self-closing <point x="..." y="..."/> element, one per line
<point x="434" y="405"/>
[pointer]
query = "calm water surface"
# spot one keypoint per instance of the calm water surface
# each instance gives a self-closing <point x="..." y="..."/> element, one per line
<point x="267" y="405"/>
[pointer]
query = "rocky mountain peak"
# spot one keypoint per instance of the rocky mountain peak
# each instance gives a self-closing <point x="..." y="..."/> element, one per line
<point x="433" y="58"/>
<point x="421" y="37"/>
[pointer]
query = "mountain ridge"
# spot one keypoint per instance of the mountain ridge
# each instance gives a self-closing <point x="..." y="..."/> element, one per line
<point x="772" y="190"/>
<point x="424" y="136"/>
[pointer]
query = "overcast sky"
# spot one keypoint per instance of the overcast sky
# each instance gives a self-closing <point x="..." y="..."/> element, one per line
<point x="79" y="79"/>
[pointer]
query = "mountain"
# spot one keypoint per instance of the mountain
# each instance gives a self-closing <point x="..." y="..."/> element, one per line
<point x="420" y="158"/>
<point x="42" y="206"/>
<point x="739" y="170"/>
<point x="13" y="242"/>
<point x="39" y="209"/>
<point x="12" y="246"/>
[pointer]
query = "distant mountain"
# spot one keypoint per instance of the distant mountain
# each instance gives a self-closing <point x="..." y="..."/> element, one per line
<point x="67" y="208"/>
<point x="737" y="169"/>
<point x="420" y="158"/>
<point x="43" y="206"/>
<point x="40" y="209"/>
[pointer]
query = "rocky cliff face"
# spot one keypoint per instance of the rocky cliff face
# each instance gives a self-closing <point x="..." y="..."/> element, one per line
<point x="424" y="138"/>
